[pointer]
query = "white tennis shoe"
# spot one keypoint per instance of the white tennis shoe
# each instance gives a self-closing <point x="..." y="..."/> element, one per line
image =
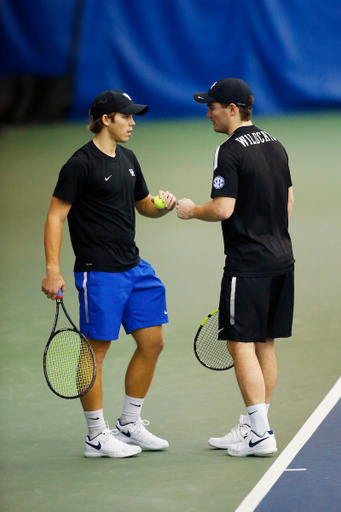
<point x="106" y="444"/>
<point x="236" y="435"/>
<point x="137" y="434"/>
<point x="253" y="444"/>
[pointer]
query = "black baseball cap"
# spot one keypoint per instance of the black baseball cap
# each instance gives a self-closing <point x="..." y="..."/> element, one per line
<point x="227" y="90"/>
<point x="115" y="101"/>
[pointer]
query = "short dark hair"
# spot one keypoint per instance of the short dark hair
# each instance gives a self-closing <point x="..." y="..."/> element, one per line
<point x="97" y="125"/>
<point x="246" y="112"/>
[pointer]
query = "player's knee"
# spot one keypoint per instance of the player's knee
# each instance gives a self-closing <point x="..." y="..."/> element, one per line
<point x="158" y="345"/>
<point x="100" y="350"/>
<point x="231" y="347"/>
<point x="238" y="348"/>
<point x="155" y="346"/>
<point x="150" y="341"/>
<point x="100" y="356"/>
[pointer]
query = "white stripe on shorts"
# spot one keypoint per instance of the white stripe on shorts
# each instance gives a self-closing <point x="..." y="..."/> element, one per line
<point x="233" y="300"/>
<point x="86" y="305"/>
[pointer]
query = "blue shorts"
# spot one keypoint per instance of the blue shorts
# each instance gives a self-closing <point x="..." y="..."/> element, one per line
<point x="135" y="298"/>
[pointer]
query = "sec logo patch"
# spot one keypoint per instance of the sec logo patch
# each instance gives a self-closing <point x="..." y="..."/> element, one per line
<point x="218" y="182"/>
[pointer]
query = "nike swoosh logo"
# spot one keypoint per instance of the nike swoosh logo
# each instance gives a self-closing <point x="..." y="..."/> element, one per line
<point x="97" y="446"/>
<point x="108" y="178"/>
<point x="251" y="444"/>
<point x="127" y="434"/>
<point x="250" y="413"/>
<point x="93" y="419"/>
<point x="200" y="97"/>
<point x="135" y="405"/>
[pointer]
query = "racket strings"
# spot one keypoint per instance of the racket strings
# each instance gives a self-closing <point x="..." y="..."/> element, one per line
<point x="212" y="353"/>
<point x="69" y="364"/>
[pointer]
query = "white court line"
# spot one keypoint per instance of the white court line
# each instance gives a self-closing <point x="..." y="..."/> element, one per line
<point x="297" y="469"/>
<point x="253" y="499"/>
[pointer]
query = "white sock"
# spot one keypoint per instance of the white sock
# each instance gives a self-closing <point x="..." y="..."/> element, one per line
<point x="131" y="409"/>
<point x="95" y="422"/>
<point x="259" y="418"/>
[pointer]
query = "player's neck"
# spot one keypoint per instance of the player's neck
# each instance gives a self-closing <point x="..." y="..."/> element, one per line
<point x="238" y="124"/>
<point x="105" y="144"/>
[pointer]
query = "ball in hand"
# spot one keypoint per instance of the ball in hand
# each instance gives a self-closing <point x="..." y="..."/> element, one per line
<point x="159" y="203"/>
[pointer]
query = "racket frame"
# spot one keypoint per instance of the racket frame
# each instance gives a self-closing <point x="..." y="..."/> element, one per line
<point x="60" y="302"/>
<point x="222" y="341"/>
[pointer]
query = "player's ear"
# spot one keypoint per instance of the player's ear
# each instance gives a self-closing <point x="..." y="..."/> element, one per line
<point x="105" y="120"/>
<point x="233" y="109"/>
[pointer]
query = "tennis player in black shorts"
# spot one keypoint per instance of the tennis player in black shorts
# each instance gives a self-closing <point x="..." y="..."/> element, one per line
<point x="97" y="191"/>
<point x="252" y="196"/>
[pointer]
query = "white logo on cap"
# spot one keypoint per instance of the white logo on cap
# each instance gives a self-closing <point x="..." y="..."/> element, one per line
<point x="126" y="95"/>
<point x="213" y="85"/>
<point x="218" y="182"/>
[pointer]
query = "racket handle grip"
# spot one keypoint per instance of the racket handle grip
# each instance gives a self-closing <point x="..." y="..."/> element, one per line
<point x="59" y="294"/>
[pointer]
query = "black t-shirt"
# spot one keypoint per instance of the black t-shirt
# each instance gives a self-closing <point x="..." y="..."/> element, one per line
<point x="102" y="191"/>
<point x="252" y="167"/>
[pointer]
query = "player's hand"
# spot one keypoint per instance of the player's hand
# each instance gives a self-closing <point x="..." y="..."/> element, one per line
<point x="52" y="283"/>
<point x="169" y="198"/>
<point x="184" y="208"/>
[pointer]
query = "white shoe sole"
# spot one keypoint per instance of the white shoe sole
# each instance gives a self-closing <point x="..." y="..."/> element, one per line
<point x="258" y="453"/>
<point x="96" y="455"/>
<point x="220" y="447"/>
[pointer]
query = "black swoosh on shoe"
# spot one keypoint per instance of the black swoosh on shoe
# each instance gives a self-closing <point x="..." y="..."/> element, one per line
<point x="251" y="444"/>
<point x="97" y="446"/>
<point x="127" y="434"/>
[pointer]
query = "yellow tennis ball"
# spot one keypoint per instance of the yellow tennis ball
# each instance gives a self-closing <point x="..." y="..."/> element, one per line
<point x="159" y="202"/>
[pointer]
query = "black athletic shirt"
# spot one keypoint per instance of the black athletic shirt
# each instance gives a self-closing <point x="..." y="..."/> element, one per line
<point x="102" y="191"/>
<point x="252" y="167"/>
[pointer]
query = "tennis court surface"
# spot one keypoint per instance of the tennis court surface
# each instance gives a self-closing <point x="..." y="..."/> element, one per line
<point x="43" y="467"/>
<point x="305" y="475"/>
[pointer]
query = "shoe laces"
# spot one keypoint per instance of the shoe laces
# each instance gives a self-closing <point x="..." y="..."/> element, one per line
<point x="239" y="431"/>
<point x="109" y="431"/>
<point x="140" y="430"/>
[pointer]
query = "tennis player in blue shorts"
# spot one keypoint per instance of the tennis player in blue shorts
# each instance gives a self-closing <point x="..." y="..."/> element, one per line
<point x="98" y="190"/>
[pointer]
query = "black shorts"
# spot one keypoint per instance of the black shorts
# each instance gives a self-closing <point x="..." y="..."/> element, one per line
<point x="256" y="308"/>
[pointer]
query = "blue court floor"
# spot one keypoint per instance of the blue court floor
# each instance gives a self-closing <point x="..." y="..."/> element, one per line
<point x="312" y="480"/>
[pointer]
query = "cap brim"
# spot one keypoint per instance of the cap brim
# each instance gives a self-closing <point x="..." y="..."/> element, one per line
<point x="203" y="97"/>
<point x="135" y="109"/>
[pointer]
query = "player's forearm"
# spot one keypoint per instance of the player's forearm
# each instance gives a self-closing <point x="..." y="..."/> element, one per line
<point x="52" y="243"/>
<point x="56" y="216"/>
<point x="207" y="212"/>
<point x="290" y="201"/>
<point x="52" y="281"/>
<point x="220" y="208"/>
<point x="147" y="208"/>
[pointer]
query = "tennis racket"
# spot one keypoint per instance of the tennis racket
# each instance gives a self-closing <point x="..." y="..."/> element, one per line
<point x="69" y="361"/>
<point x="211" y="352"/>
